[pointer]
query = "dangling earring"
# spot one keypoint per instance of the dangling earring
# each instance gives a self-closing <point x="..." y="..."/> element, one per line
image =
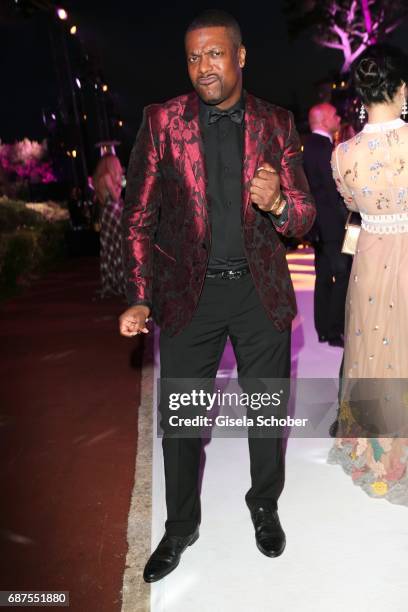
<point x="362" y="113"/>
<point x="404" y="110"/>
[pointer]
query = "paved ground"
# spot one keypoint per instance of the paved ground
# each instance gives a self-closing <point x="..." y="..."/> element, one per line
<point x="69" y="393"/>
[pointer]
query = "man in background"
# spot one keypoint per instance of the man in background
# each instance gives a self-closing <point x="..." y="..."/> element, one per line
<point x="332" y="266"/>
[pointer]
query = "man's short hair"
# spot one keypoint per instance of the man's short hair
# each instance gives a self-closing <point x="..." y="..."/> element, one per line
<point x="215" y="18"/>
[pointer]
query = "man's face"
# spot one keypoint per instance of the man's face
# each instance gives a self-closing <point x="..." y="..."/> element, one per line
<point x="215" y="65"/>
<point x="332" y="119"/>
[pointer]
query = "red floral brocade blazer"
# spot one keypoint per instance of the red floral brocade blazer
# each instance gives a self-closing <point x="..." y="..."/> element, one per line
<point x="167" y="233"/>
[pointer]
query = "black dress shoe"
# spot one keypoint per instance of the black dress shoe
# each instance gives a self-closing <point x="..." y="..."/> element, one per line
<point x="322" y="338"/>
<point x="337" y="341"/>
<point x="167" y="556"/>
<point x="269" y="535"/>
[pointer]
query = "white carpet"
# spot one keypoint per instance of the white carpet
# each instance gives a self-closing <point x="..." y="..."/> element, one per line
<point x="345" y="551"/>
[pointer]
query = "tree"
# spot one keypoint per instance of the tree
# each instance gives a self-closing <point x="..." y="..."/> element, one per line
<point x="26" y="159"/>
<point x="349" y="26"/>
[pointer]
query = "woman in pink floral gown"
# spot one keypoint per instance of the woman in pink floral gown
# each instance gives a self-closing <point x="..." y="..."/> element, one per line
<point x="371" y="172"/>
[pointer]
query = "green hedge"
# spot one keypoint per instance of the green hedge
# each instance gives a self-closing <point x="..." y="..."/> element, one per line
<point x="14" y="215"/>
<point x="28" y="244"/>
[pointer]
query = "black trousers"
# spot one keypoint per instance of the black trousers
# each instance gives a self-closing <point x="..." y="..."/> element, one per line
<point x="226" y="308"/>
<point x="332" y="277"/>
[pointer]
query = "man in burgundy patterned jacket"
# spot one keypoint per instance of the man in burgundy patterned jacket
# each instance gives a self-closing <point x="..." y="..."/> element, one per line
<point x="215" y="177"/>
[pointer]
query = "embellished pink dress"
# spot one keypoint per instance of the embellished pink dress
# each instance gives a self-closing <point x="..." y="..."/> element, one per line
<point x="371" y="173"/>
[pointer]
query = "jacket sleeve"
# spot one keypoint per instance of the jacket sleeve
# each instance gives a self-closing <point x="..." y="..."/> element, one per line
<point x="334" y="200"/>
<point x="140" y="214"/>
<point x="300" y="207"/>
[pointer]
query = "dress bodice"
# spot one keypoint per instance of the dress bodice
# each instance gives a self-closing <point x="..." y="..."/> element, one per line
<point x="371" y="173"/>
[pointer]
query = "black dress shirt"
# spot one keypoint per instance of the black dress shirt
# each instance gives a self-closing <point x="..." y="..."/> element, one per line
<point x="223" y="149"/>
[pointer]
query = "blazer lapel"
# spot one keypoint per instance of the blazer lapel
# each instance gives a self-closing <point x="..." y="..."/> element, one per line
<point x="193" y="143"/>
<point x="193" y="148"/>
<point x="253" y="131"/>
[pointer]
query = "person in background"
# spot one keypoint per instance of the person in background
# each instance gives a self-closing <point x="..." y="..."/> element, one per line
<point x="90" y="205"/>
<point x="75" y="208"/>
<point x="345" y="132"/>
<point x="371" y="172"/>
<point x="107" y="181"/>
<point x="332" y="266"/>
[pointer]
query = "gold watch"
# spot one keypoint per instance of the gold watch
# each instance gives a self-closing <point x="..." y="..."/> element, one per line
<point x="278" y="200"/>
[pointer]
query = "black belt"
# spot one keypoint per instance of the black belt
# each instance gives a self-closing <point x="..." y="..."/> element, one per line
<point x="227" y="274"/>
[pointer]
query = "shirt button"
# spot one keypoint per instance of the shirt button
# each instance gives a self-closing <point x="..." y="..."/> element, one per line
<point x="226" y="169"/>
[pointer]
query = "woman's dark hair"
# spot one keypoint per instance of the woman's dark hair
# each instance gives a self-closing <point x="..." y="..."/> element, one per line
<point x="378" y="73"/>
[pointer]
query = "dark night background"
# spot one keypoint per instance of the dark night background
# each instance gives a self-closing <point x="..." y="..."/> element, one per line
<point x="139" y="49"/>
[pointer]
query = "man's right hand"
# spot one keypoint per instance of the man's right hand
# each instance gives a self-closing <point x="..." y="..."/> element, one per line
<point x="133" y="321"/>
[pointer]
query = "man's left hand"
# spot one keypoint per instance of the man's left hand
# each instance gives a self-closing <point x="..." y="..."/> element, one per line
<point x="265" y="189"/>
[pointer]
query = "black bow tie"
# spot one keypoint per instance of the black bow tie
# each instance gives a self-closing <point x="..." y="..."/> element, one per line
<point x="235" y="115"/>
